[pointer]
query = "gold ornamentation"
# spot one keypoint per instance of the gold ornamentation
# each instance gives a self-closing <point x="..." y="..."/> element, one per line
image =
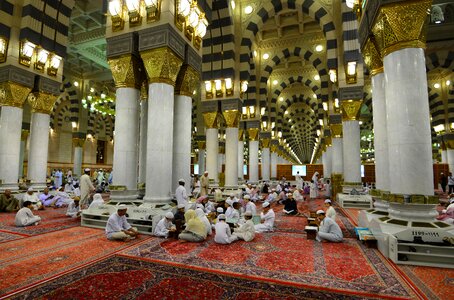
<point x="240" y="134"/>
<point x="41" y="102"/>
<point x="187" y="81"/>
<point x="449" y="144"/>
<point x="253" y="134"/>
<point x="126" y="71"/>
<point x="351" y="109"/>
<point x="221" y="150"/>
<point x="401" y="25"/>
<point x="13" y="94"/>
<point x="24" y="135"/>
<point x="144" y="91"/>
<point x="162" y="65"/>
<point x="78" y="142"/>
<point x="265" y="143"/>
<point x="336" y="130"/>
<point x="231" y="117"/>
<point x="273" y="148"/>
<point x="201" y="144"/>
<point x="372" y="57"/>
<point x="328" y="141"/>
<point x="211" y="119"/>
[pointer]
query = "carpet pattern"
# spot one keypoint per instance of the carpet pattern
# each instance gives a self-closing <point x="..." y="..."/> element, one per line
<point x="6" y="236"/>
<point x="51" y="220"/>
<point x="27" y="261"/>
<point x="125" y="278"/>
<point x="347" y="267"/>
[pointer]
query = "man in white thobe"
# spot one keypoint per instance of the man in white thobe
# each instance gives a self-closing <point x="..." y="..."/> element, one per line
<point x="73" y="210"/>
<point x="299" y="180"/>
<point x="31" y="196"/>
<point x="267" y="217"/>
<point x="165" y="226"/>
<point x="25" y="217"/>
<point x="223" y="233"/>
<point x="118" y="228"/>
<point x="86" y="187"/>
<point x="180" y="193"/>
<point x="328" y="229"/>
<point x="249" y="206"/>
<point x="246" y="231"/>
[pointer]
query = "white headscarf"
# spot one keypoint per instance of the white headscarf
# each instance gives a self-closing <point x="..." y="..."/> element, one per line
<point x="97" y="201"/>
<point x="201" y="215"/>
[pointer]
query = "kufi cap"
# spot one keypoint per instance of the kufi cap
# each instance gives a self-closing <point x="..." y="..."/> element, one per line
<point x="243" y="186"/>
<point x="248" y="213"/>
<point x="320" y="212"/>
<point x="206" y="172"/>
<point x="232" y="195"/>
<point x="122" y="207"/>
<point x="181" y="206"/>
<point x="254" y="185"/>
<point x="327" y="201"/>
<point x="451" y="201"/>
<point x="229" y="202"/>
<point x="246" y="197"/>
<point x="220" y="210"/>
<point x="30" y="189"/>
<point x="181" y="180"/>
<point x="87" y="170"/>
<point x="169" y="215"/>
<point x="221" y="217"/>
<point x="265" y="204"/>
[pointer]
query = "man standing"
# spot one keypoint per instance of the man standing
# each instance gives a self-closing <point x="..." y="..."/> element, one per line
<point x="443" y="181"/>
<point x="25" y="217"/>
<point x="204" y="183"/>
<point x="298" y="180"/>
<point x="118" y="228"/>
<point x="328" y="229"/>
<point x="8" y="203"/>
<point x="180" y="193"/>
<point x="86" y="187"/>
<point x="267" y="218"/>
<point x="58" y="178"/>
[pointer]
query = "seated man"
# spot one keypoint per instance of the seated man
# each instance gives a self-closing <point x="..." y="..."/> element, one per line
<point x="179" y="218"/>
<point x="290" y="207"/>
<point x="246" y="231"/>
<point x="249" y="206"/>
<point x="8" y="203"/>
<point x="25" y="217"/>
<point x="328" y="229"/>
<point x="46" y="198"/>
<point x="267" y="218"/>
<point x="33" y="198"/>
<point x="118" y="228"/>
<point x="165" y="227"/>
<point x="223" y="233"/>
<point x="62" y="198"/>
<point x="73" y="210"/>
<point x="298" y="195"/>
<point x="272" y="196"/>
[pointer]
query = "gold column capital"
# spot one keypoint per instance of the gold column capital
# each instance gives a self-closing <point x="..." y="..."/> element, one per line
<point x="372" y="57"/>
<point x="211" y="119"/>
<point x="265" y="142"/>
<point x="126" y="71"/>
<point x="240" y="134"/>
<point x="231" y="117"/>
<point x="162" y="65"/>
<point x="336" y="130"/>
<point x="253" y="134"/>
<point x="351" y="109"/>
<point x="78" y="142"/>
<point x="449" y="144"/>
<point x="13" y="94"/>
<point x="221" y="150"/>
<point x="201" y="145"/>
<point x="24" y="134"/>
<point x="273" y="148"/>
<point x="42" y="102"/>
<point x="401" y="25"/>
<point x="328" y="141"/>
<point x="187" y="81"/>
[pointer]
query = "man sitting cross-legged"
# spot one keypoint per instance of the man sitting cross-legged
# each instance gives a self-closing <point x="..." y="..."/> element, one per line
<point x="118" y="228"/>
<point x="25" y="217"/>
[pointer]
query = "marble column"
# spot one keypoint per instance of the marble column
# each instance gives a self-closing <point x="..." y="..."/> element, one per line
<point x="12" y="99"/>
<point x="201" y="157"/>
<point x="444" y="156"/>
<point x="23" y="147"/>
<point x="221" y="158"/>
<point x="143" y="139"/>
<point x="266" y="159"/>
<point x="212" y="144"/>
<point x="273" y="159"/>
<point x="337" y="149"/>
<point x="162" y="66"/>
<point x="450" y="156"/>
<point x="240" y="154"/>
<point x="42" y="104"/>
<point x="327" y="162"/>
<point x="380" y="132"/>
<point x="351" y="140"/>
<point x="78" y="144"/>
<point x="253" y="155"/>
<point x="232" y="118"/>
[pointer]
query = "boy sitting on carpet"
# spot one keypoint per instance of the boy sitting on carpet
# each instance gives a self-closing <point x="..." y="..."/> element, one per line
<point x="25" y="217"/>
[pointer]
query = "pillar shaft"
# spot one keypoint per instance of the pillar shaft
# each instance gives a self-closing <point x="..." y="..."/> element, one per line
<point x="143" y="141"/>
<point x="450" y="156"/>
<point x="444" y="156"/>
<point x="37" y="156"/>
<point x="212" y="153"/>
<point x="77" y="161"/>
<point x="240" y="159"/>
<point x="265" y="164"/>
<point x="351" y="151"/>
<point x="201" y="161"/>
<point x="254" y="161"/>
<point x="338" y="165"/>
<point x="274" y="165"/>
<point x="231" y="157"/>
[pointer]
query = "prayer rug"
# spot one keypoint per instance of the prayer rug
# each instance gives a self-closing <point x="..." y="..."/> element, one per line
<point x="30" y="260"/>
<point x="287" y="258"/>
<point x="51" y="220"/>
<point x="435" y="283"/>
<point x="125" y="278"/>
<point x="6" y="236"/>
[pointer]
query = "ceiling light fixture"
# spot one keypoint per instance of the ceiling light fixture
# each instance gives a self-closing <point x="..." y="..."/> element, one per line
<point x="266" y="56"/>
<point x="248" y="10"/>
<point x="319" y="48"/>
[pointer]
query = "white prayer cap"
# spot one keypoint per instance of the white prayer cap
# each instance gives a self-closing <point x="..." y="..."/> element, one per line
<point x="248" y="213"/>
<point x="181" y="206"/>
<point x="254" y="185"/>
<point x="122" y="207"/>
<point x="206" y="172"/>
<point x="220" y="210"/>
<point x="97" y="196"/>
<point x="221" y="217"/>
<point x="232" y="195"/>
<point x="320" y="212"/>
<point x="229" y="202"/>
<point x="273" y="190"/>
<point x="169" y="215"/>
<point x="30" y="189"/>
<point x="87" y="170"/>
<point x="327" y="201"/>
<point x="181" y="180"/>
<point x="289" y="194"/>
<point x="246" y="197"/>
<point x="265" y="204"/>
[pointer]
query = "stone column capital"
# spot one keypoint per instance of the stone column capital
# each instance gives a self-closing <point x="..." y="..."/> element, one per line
<point x="265" y="142"/>
<point x="253" y="134"/>
<point x="126" y="71"/>
<point x="78" y="142"/>
<point x="13" y="94"/>
<point x="202" y="145"/>
<point x="372" y="56"/>
<point x="336" y="130"/>
<point x="42" y="102"/>
<point x="24" y="134"/>
<point x="211" y="119"/>
<point x="187" y="81"/>
<point x="162" y="65"/>
<point x="240" y="134"/>
<point x="231" y="117"/>
<point x="351" y="109"/>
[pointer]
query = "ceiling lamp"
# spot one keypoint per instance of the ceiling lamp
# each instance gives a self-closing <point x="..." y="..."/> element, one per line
<point x="116" y="14"/>
<point x="439" y="128"/>
<point x="437" y="85"/>
<point x="183" y="8"/>
<point x="244" y="85"/>
<point x="262" y="111"/>
<point x="41" y="59"/>
<point x="266" y="56"/>
<point x="3" y="48"/>
<point x="26" y="52"/>
<point x="153" y="8"/>
<point x="333" y="75"/>
<point x="248" y="10"/>
<point x="133" y="7"/>
<point x="232" y="4"/>
<point x="275" y="82"/>
<point x="317" y="77"/>
<point x="319" y="48"/>
<point x="350" y="3"/>
<point x="448" y="82"/>
<point x="54" y="64"/>
<point x="281" y="98"/>
<point x="228" y="87"/>
<point x="351" y="72"/>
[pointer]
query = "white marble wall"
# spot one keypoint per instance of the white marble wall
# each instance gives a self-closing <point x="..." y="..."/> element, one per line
<point x="351" y="151"/>
<point x="254" y="161"/>
<point x="407" y="109"/>
<point x="212" y="145"/>
<point x="231" y="157"/>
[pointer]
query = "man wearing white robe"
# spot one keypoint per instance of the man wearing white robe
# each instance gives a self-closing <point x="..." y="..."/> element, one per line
<point x="223" y="233"/>
<point x="328" y="229"/>
<point x="165" y="226"/>
<point x="86" y="187"/>
<point x="299" y="180"/>
<point x="180" y="193"/>
<point x="25" y="217"/>
<point x="250" y="206"/>
<point x="118" y="228"/>
<point x="31" y="196"/>
<point x="73" y="210"/>
<point x="246" y="231"/>
<point x="267" y="217"/>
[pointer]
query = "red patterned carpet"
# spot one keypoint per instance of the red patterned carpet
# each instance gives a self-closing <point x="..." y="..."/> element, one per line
<point x="30" y="260"/>
<point x="7" y="236"/>
<point x="52" y="220"/>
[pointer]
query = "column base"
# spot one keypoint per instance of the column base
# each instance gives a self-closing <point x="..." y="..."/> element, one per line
<point x="9" y="186"/>
<point x="152" y="200"/>
<point x="38" y="185"/>
<point x="117" y="195"/>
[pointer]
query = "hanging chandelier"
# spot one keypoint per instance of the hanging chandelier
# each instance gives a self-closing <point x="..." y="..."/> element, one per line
<point x="103" y="103"/>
